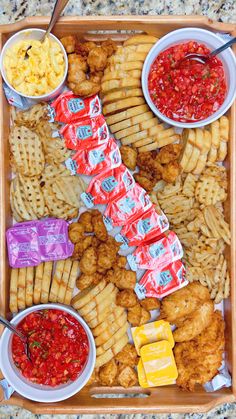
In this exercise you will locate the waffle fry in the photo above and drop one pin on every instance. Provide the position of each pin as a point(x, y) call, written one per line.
point(33, 195)
point(69, 189)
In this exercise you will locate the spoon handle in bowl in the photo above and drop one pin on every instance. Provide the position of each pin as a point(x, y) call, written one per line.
point(13, 329)
point(58, 9)
point(220, 49)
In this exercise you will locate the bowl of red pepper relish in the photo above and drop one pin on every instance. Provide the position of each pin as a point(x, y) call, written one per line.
point(62, 353)
point(189, 94)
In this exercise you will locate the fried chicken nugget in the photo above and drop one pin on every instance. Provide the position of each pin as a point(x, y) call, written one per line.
point(143, 181)
point(169, 153)
point(99, 228)
point(198, 360)
point(194, 323)
point(128, 356)
point(77, 68)
point(107, 253)
point(145, 316)
point(129, 156)
point(83, 48)
point(81, 246)
point(135, 314)
point(150, 303)
point(76, 232)
point(88, 262)
point(85, 280)
point(108, 373)
point(127, 376)
point(97, 59)
point(121, 261)
point(69, 43)
point(171, 171)
point(126, 298)
point(122, 278)
point(109, 46)
point(86, 220)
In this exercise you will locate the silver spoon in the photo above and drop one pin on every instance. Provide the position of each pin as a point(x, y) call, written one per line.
point(203, 58)
point(58, 9)
point(13, 329)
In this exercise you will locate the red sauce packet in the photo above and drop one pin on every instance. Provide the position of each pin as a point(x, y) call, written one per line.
point(94, 160)
point(127, 207)
point(86, 132)
point(70, 108)
point(159, 283)
point(149, 225)
point(107, 185)
point(158, 254)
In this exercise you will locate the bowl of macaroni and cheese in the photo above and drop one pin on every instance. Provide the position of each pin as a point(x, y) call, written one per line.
point(34, 69)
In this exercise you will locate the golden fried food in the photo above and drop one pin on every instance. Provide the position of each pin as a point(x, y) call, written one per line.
point(126, 298)
point(109, 46)
point(145, 182)
point(99, 228)
point(145, 316)
point(122, 278)
point(94, 378)
point(83, 48)
point(121, 261)
point(69, 43)
point(95, 242)
point(85, 280)
point(88, 262)
point(81, 246)
point(198, 360)
point(108, 373)
point(195, 323)
point(127, 376)
point(134, 315)
point(77, 68)
point(76, 232)
point(171, 171)
point(129, 156)
point(169, 153)
point(86, 220)
point(128, 356)
point(150, 303)
point(106, 253)
point(97, 59)
point(183, 302)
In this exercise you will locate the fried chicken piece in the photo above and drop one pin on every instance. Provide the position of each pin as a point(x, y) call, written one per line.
point(96, 77)
point(85, 280)
point(83, 48)
point(94, 378)
point(69, 43)
point(85, 88)
point(145, 316)
point(99, 228)
point(95, 242)
point(81, 246)
point(97, 59)
point(122, 278)
point(198, 360)
point(109, 46)
point(128, 356)
point(129, 156)
point(126, 298)
point(121, 261)
point(127, 376)
point(135, 314)
point(107, 253)
point(88, 262)
point(77, 68)
point(108, 373)
point(194, 323)
point(145, 182)
point(76, 232)
point(150, 303)
point(171, 171)
point(169, 153)
point(183, 302)
point(86, 220)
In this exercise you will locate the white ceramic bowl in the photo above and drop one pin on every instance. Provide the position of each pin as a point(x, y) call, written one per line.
point(37, 392)
point(210, 40)
point(37, 34)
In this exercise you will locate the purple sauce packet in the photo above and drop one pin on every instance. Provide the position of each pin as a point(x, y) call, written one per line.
point(30, 243)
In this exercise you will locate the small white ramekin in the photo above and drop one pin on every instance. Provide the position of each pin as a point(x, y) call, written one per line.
point(212, 41)
point(36, 392)
point(37, 34)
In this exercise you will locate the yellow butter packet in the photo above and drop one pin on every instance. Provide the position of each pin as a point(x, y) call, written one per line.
point(159, 364)
point(152, 332)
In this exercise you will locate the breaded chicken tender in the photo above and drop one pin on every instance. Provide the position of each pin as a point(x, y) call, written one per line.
point(150, 303)
point(169, 153)
point(128, 356)
point(122, 278)
point(99, 228)
point(171, 171)
point(126, 298)
point(76, 232)
point(127, 376)
point(85, 280)
point(129, 156)
point(108, 373)
point(198, 360)
point(135, 314)
point(106, 253)
point(88, 262)
point(86, 220)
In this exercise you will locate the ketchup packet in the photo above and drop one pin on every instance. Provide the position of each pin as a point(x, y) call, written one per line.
point(85, 133)
point(98, 158)
point(158, 254)
point(70, 108)
point(33, 242)
point(159, 283)
point(124, 209)
point(107, 185)
point(150, 224)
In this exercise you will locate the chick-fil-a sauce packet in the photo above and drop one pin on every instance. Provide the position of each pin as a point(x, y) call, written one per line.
point(70, 108)
point(94, 160)
point(108, 185)
point(86, 132)
point(157, 254)
point(162, 282)
point(33, 242)
point(149, 225)
point(127, 207)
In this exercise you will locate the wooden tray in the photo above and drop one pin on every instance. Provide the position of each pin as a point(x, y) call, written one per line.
point(98, 399)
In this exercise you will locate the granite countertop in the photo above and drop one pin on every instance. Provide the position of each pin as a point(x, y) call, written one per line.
point(223, 11)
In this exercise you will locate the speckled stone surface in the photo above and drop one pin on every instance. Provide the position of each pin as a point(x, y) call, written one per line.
point(224, 11)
